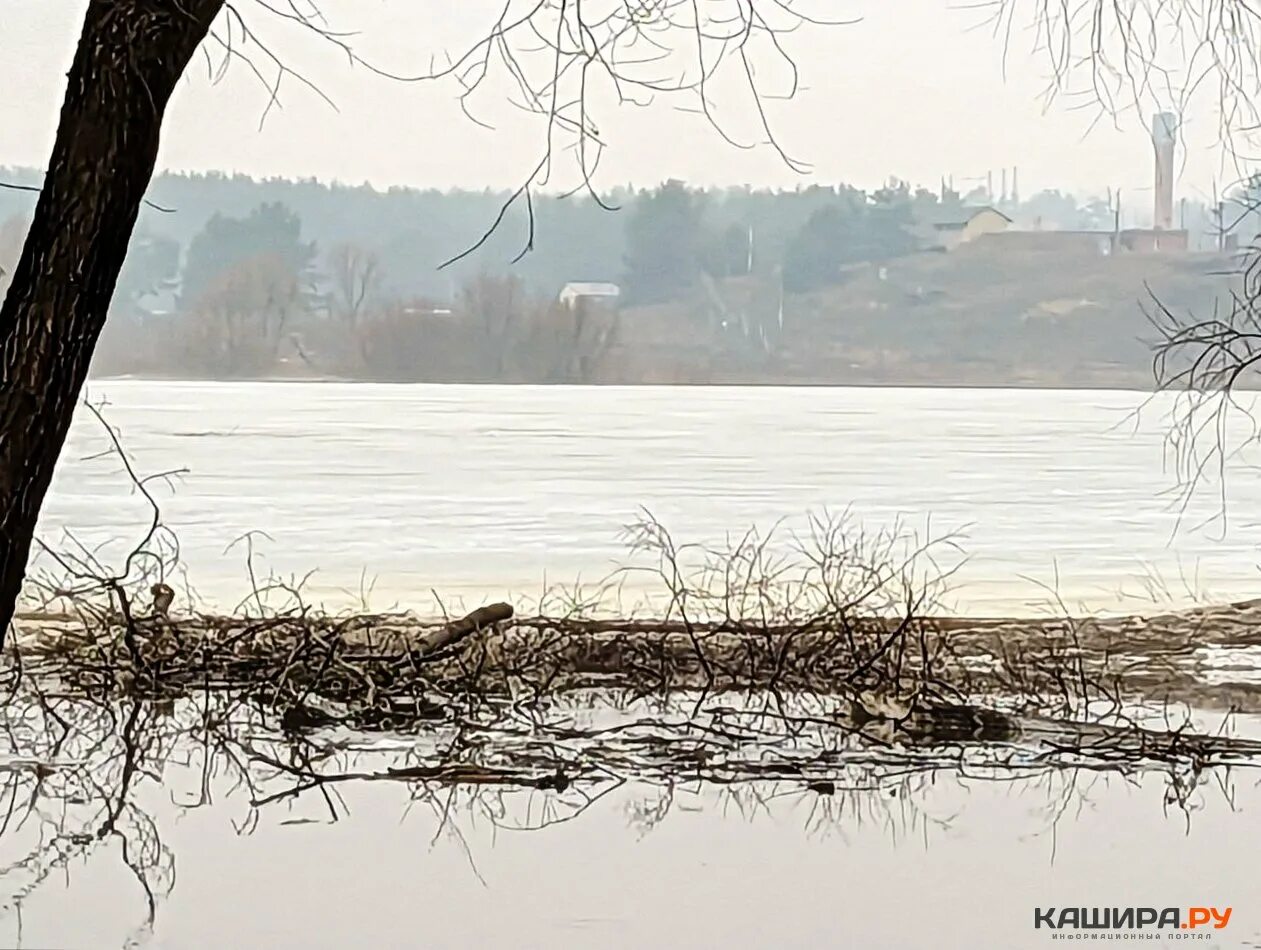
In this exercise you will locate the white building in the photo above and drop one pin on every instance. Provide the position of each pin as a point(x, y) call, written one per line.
point(574, 292)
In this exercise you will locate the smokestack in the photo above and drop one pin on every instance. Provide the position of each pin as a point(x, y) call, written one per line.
point(1015, 189)
point(989, 187)
point(1004, 198)
point(1164, 135)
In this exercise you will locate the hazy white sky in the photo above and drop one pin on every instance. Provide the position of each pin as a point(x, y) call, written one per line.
point(913, 90)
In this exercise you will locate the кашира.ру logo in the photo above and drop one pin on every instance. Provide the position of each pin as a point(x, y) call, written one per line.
point(1130, 918)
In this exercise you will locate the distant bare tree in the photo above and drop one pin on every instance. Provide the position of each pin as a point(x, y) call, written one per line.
point(235, 326)
point(356, 276)
point(356, 279)
point(496, 306)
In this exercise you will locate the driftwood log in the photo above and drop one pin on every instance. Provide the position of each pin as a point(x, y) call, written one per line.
point(483, 618)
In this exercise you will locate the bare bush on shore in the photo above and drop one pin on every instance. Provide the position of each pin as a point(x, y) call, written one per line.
point(841, 619)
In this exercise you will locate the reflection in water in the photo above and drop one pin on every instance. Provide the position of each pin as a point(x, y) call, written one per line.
point(93, 791)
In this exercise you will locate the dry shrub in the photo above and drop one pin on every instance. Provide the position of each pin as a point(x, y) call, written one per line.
point(235, 327)
point(412, 342)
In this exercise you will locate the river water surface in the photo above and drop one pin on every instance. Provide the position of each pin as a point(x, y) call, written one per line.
point(484, 491)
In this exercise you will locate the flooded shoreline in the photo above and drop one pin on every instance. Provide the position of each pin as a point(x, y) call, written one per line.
point(614, 782)
point(778, 737)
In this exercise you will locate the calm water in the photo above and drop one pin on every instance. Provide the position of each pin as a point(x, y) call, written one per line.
point(482, 492)
point(949, 863)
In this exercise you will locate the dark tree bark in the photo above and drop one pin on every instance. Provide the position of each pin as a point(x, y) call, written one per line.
point(130, 56)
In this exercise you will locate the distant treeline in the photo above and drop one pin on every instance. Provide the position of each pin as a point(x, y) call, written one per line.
point(649, 240)
point(226, 272)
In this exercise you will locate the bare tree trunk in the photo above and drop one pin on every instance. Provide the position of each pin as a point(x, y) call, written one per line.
point(130, 56)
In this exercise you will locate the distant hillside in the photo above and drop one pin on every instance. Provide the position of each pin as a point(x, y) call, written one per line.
point(988, 313)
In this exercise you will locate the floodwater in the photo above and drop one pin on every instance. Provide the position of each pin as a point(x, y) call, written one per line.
point(898, 856)
point(933, 859)
point(482, 491)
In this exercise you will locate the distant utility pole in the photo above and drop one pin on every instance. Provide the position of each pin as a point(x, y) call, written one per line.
point(1116, 219)
point(781, 300)
point(1219, 223)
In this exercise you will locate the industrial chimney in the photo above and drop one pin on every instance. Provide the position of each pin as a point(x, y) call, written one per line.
point(1164, 134)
